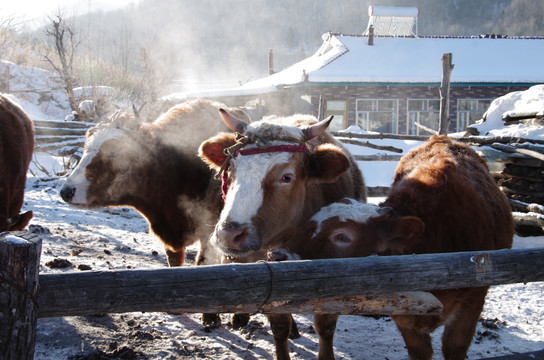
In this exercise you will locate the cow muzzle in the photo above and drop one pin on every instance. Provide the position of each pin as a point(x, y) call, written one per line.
point(235, 239)
point(67, 193)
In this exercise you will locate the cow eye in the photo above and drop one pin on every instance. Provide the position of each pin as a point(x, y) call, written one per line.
point(341, 238)
point(286, 178)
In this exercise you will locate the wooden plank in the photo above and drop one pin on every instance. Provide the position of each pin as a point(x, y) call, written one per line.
point(68, 294)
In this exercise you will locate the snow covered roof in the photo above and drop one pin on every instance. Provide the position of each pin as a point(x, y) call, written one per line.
point(349, 58)
point(344, 59)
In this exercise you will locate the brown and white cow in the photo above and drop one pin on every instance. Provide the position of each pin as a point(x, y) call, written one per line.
point(16, 147)
point(443, 199)
point(155, 169)
point(276, 174)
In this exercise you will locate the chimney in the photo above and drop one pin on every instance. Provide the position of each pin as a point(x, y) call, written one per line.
point(370, 35)
point(270, 62)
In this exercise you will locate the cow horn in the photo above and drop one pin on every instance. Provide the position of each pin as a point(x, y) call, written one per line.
point(316, 129)
point(233, 122)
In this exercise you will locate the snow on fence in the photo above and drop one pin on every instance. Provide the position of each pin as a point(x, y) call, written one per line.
point(296, 286)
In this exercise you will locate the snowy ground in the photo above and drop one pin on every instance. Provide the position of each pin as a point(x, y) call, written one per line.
point(512, 322)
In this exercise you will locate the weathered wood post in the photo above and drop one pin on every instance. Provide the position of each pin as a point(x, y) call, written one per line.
point(447, 68)
point(19, 266)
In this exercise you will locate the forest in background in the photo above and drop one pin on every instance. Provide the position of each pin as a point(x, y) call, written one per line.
point(143, 47)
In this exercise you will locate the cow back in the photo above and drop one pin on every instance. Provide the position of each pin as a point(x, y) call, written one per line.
point(449, 187)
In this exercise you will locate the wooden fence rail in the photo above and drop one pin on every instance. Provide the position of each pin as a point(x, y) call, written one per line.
point(344, 285)
point(229, 287)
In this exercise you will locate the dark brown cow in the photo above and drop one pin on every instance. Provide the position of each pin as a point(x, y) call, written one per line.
point(16, 147)
point(279, 173)
point(443, 199)
point(155, 169)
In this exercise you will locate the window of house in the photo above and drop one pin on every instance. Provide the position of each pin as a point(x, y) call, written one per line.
point(469, 111)
point(337, 108)
point(380, 115)
point(425, 112)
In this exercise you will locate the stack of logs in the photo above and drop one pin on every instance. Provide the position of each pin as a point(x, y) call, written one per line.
point(522, 175)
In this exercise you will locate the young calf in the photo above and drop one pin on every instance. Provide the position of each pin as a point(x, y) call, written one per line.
point(443, 199)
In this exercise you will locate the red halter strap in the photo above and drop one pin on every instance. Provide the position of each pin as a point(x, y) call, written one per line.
point(253, 151)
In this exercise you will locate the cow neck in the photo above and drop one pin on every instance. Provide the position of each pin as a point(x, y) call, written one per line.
point(262, 147)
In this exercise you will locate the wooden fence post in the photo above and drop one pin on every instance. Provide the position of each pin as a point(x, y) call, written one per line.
point(19, 266)
point(444, 121)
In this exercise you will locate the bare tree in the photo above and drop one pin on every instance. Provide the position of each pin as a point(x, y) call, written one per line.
point(65, 44)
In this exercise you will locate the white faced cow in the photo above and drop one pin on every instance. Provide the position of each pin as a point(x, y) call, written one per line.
point(276, 174)
point(155, 168)
point(443, 199)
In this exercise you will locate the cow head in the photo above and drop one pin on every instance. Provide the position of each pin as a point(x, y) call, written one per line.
point(268, 191)
point(354, 229)
point(107, 168)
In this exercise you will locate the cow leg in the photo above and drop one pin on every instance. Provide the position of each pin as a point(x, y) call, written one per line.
point(240, 320)
point(294, 330)
point(208, 255)
point(211, 321)
point(416, 332)
point(281, 328)
point(175, 257)
point(325, 326)
point(461, 323)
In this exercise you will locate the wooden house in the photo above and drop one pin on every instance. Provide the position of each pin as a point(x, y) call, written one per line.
point(386, 81)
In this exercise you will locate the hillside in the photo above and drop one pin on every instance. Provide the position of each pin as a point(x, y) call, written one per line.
point(214, 42)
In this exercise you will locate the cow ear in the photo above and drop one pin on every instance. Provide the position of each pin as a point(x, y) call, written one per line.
point(403, 233)
point(212, 150)
point(327, 162)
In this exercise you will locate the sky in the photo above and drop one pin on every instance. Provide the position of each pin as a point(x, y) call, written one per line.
point(34, 12)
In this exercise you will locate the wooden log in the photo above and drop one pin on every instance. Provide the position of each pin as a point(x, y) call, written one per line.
point(531, 355)
point(515, 116)
point(67, 294)
point(378, 191)
point(380, 136)
point(526, 207)
point(377, 157)
point(404, 303)
point(50, 131)
point(532, 219)
point(512, 149)
point(487, 140)
point(370, 145)
point(428, 129)
point(63, 124)
point(444, 120)
point(19, 264)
